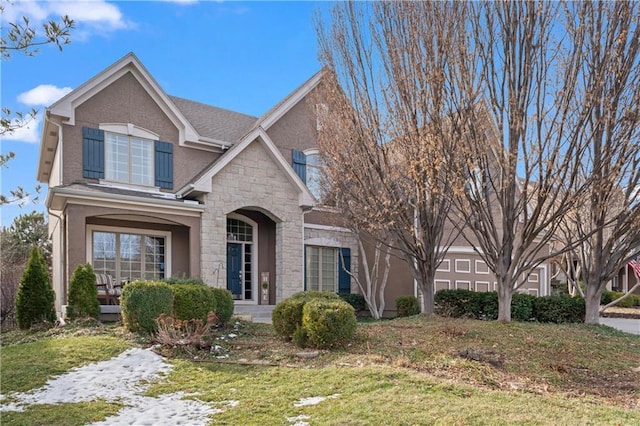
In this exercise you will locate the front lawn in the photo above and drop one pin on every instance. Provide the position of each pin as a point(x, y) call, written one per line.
point(407, 371)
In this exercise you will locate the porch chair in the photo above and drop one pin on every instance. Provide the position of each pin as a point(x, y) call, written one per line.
point(108, 290)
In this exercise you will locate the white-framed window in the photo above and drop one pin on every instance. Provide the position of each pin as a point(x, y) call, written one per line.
point(442, 285)
point(314, 173)
point(445, 266)
point(321, 269)
point(129, 159)
point(463, 265)
point(463, 285)
point(482, 285)
point(481, 267)
point(129, 254)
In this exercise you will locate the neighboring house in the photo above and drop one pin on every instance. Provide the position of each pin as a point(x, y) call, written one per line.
point(144, 185)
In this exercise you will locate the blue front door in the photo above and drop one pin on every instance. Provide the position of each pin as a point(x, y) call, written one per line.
point(234, 269)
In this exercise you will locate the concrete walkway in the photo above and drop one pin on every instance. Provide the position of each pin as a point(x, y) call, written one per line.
point(627, 325)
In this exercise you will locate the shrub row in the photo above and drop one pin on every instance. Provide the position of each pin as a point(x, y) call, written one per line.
point(144, 301)
point(609, 296)
point(319, 319)
point(524, 307)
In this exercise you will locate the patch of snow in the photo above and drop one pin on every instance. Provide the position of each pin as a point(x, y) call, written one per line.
point(123, 379)
point(299, 420)
point(314, 400)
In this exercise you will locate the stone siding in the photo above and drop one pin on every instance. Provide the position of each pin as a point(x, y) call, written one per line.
point(253, 181)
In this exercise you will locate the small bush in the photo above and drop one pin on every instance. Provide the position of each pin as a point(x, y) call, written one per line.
point(559, 309)
point(287, 316)
point(354, 299)
point(460, 303)
point(407, 306)
point(522, 306)
point(144, 301)
point(224, 304)
point(300, 337)
point(192, 301)
point(183, 280)
point(35, 299)
point(83, 294)
point(328, 323)
point(609, 296)
point(315, 294)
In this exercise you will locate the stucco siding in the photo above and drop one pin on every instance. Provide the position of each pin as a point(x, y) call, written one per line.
point(126, 101)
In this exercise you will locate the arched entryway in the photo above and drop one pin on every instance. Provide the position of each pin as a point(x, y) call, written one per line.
point(250, 240)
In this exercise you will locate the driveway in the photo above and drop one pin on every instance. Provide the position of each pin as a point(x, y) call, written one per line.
point(627, 325)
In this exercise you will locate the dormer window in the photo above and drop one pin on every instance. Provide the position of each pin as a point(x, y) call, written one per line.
point(129, 159)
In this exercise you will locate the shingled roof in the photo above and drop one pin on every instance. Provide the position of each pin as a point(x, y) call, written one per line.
point(213, 122)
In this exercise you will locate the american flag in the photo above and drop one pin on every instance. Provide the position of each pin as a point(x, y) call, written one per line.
point(635, 265)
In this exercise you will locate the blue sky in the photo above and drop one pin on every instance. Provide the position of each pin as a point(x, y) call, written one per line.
point(243, 56)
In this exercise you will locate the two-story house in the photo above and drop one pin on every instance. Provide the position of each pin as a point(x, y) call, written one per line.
point(144, 185)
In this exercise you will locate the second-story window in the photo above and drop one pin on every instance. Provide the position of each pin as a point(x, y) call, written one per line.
point(129, 159)
point(314, 175)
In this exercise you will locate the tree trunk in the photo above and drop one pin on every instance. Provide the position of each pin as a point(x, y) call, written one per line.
point(592, 303)
point(425, 284)
point(504, 302)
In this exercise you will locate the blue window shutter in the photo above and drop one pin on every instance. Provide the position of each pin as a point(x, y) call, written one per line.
point(164, 164)
point(92, 153)
point(304, 271)
point(299, 163)
point(344, 279)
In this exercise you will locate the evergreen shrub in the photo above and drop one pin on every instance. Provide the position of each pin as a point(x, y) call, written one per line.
point(407, 306)
point(354, 299)
point(328, 323)
point(287, 315)
point(83, 294)
point(224, 304)
point(193, 301)
point(35, 299)
point(144, 301)
point(559, 309)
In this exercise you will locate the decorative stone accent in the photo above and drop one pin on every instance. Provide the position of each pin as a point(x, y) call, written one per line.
point(253, 181)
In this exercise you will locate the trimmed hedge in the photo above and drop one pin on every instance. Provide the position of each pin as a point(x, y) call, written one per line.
point(223, 297)
point(559, 309)
point(224, 303)
point(609, 296)
point(83, 294)
point(407, 306)
point(193, 301)
point(328, 323)
point(144, 301)
point(354, 299)
point(524, 307)
point(287, 317)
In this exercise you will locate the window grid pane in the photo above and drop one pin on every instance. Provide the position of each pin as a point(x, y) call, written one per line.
point(129, 159)
point(128, 257)
point(321, 268)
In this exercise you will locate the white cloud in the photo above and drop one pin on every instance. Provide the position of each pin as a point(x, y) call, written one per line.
point(29, 133)
point(90, 16)
point(44, 94)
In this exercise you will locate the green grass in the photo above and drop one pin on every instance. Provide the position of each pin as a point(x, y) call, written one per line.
point(407, 371)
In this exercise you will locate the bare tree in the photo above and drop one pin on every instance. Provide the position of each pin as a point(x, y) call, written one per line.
point(608, 222)
point(388, 130)
point(520, 161)
point(22, 37)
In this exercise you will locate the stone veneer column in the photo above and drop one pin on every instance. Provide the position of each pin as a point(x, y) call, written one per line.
point(253, 181)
